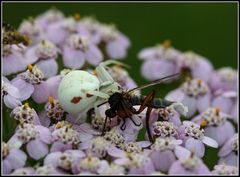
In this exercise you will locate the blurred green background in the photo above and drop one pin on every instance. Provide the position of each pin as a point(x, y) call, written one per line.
point(210, 29)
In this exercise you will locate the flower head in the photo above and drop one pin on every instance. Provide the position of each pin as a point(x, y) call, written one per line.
point(53, 109)
point(25, 114)
point(163, 129)
point(160, 61)
point(33, 75)
point(225, 170)
point(216, 123)
point(12, 158)
point(66, 135)
point(224, 79)
point(189, 165)
point(229, 152)
point(194, 94)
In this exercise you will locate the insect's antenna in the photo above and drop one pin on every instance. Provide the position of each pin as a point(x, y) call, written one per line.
point(102, 103)
point(108, 62)
point(158, 81)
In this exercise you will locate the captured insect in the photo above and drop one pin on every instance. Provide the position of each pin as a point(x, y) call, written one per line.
point(121, 104)
point(12, 36)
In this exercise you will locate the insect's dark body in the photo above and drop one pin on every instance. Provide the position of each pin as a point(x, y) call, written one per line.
point(121, 104)
point(155, 103)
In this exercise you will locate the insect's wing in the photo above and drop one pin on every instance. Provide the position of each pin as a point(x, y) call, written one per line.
point(158, 81)
point(147, 100)
point(124, 109)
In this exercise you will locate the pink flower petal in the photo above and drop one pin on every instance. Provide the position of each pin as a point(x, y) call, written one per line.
point(17, 158)
point(52, 84)
point(115, 152)
point(45, 121)
point(216, 132)
point(37, 149)
point(41, 93)
point(24, 88)
point(48, 67)
point(52, 159)
point(191, 104)
point(30, 55)
point(6, 166)
point(94, 55)
point(181, 152)
point(196, 146)
point(162, 160)
point(175, 95)
point(44, 134)
point(116, 50)
point(231, 159)
point(74, 59)
point(203, 103)
point(11, 102)
point(13, 63)
point(13, 91)
point(147, 53)
point(59, 146)
point(156, 69)
point(224, 103)
point(202, 70)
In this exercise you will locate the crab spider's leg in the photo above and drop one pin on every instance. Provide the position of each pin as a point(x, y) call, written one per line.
point(106, 83)
point(95, 105)
point(80, 115)
point(98, 94)
point(102, 72)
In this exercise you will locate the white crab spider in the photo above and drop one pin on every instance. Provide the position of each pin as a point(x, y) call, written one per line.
point(79, 90)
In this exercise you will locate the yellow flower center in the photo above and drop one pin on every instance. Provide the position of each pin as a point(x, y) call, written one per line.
point(50, 99)
point(77, 16)
point(30, 67)
point(166, 44)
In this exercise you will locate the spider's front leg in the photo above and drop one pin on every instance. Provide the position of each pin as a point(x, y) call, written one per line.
point(108, 85)
point(102, 72)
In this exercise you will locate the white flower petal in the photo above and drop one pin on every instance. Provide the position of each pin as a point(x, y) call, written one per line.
point(180, 108)
point(210, 142)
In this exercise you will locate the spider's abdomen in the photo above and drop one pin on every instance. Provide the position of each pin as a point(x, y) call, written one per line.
point(72, 93)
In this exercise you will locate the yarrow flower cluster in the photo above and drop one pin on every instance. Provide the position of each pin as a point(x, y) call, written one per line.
point(85, 115)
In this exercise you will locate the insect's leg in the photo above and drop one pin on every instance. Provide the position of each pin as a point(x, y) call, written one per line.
point(123, 126)
point(146, 102)
point(149, 109)
point(104, 126)
point(95, 106)
point(138, 125)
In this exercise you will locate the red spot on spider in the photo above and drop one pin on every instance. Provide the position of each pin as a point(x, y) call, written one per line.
point(89, 95)
point(76, 100)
